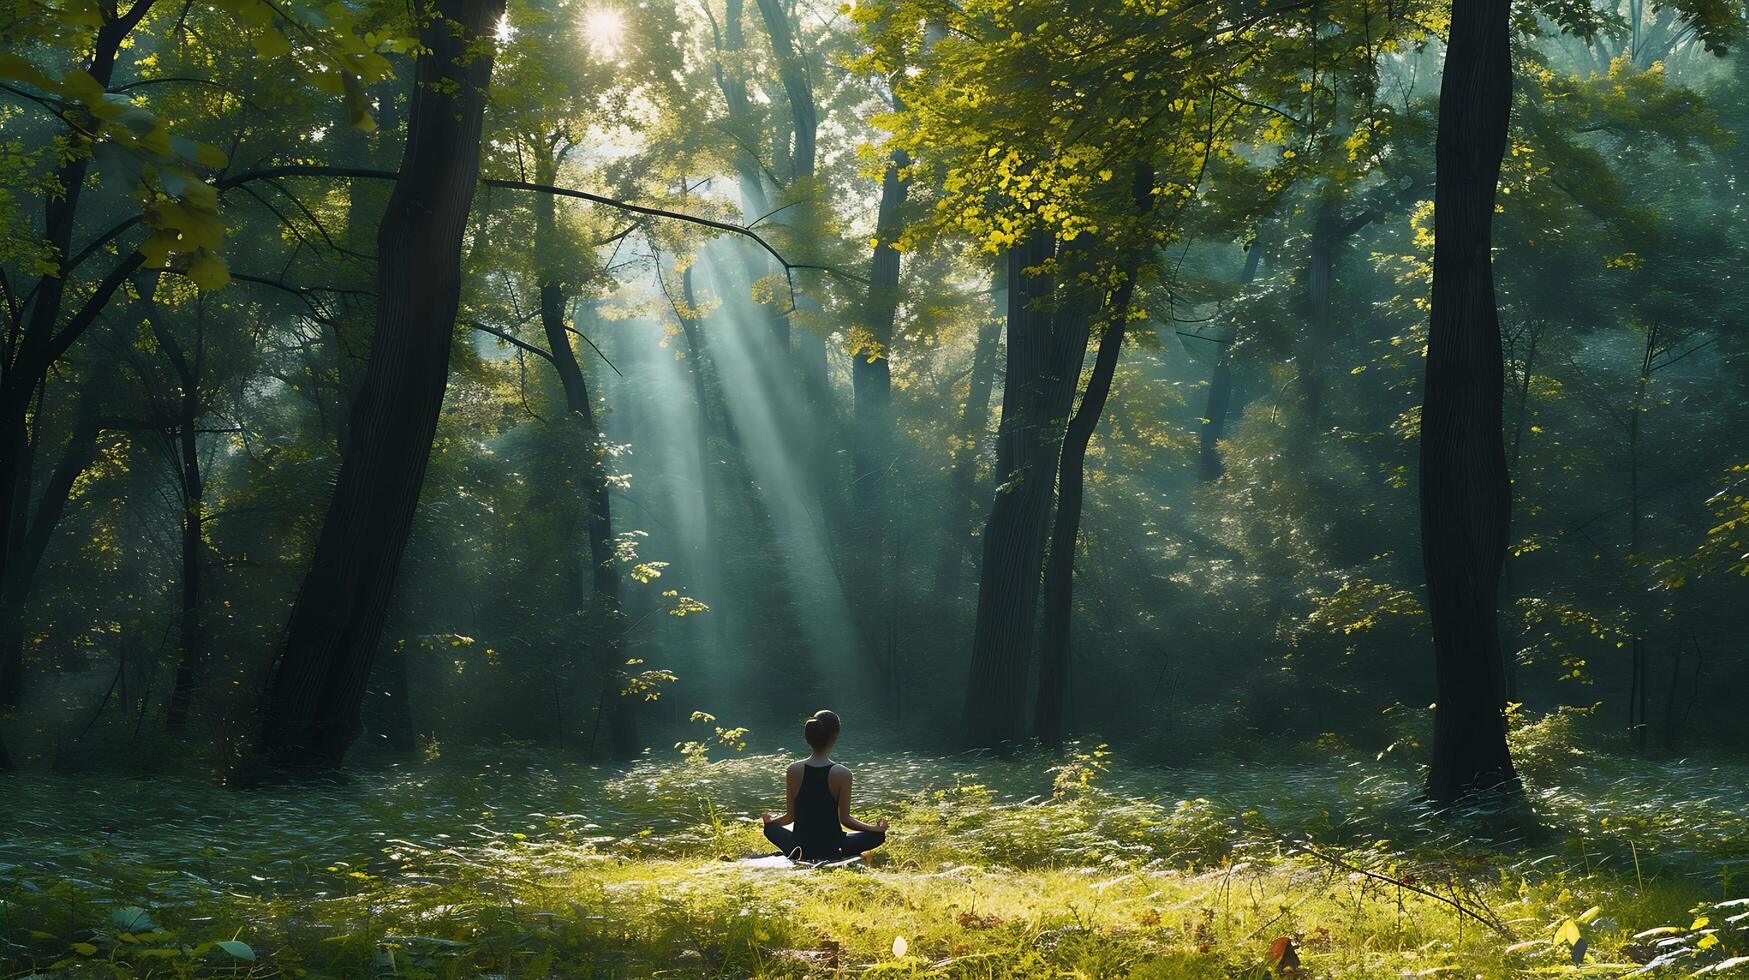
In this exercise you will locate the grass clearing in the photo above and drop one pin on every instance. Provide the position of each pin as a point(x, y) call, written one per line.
point(1032, 866)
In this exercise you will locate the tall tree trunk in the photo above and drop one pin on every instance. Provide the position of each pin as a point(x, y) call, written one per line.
point(792, 70)
point(312, 709)
point(1013, 534)
point(1045, 351)
point(798, 170)
point(32, 544)
point(39, 340)
point(193, 633)
point(192, 628)
point(742, 124)
point(872, 446)
point(1637, 719)
point(870, 373)
point(708, 422)
point(15, 583)
point(1059, 587)
point(974, 419)
point(1465, 497)
point(598, 596)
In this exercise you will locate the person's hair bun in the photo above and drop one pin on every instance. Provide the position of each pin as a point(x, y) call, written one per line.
point(821, 728)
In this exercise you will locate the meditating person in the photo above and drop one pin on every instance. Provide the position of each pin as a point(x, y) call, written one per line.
point(819, 804)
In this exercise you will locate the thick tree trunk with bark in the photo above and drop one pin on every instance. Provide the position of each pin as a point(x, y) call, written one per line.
point(1014, 533)
point(1059, 586)
point(312, 710)
point(1045, 349)
point(1465, 499)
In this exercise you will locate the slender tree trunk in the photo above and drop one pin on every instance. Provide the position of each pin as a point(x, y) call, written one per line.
point(598, 582)
point(974, 419)
point(743, 126)
point(1637, 720)
point(697, 357)
point(871, 374)
point(792, 71)
point(873, 445)
point(193, 630)
point(798, 167)
point(193, 634)
point(32, 544)
point(40, 340)
point(15, 582)
point(1059, 586)
point(190, 410)
point(1465, 497)
point(312, 709)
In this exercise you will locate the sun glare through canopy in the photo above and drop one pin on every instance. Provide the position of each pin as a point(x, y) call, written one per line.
point(604, 31)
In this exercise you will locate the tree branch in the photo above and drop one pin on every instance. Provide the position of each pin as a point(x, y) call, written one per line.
point(312, 170)
point(512, 341)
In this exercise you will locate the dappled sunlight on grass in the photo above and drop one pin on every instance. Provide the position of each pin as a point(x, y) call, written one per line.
point(1023, 866)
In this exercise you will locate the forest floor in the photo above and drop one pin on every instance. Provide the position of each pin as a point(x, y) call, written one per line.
point(1031, 866)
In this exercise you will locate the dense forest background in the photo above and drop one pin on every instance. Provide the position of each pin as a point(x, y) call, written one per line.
point(1265, 484)
point(682, 467)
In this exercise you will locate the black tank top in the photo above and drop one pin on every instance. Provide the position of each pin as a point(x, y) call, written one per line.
point(817, 829)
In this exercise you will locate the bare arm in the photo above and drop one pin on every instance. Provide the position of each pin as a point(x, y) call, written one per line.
point(792, 782)
point(844, 817)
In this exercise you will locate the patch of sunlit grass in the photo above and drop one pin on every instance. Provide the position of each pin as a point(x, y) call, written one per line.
point(450, 870)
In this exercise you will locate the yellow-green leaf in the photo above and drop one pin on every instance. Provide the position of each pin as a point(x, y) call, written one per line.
point(208, 271)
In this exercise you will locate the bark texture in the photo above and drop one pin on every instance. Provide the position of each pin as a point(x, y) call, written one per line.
point(312, 710)
point(1465, 499)
point(1047, 341)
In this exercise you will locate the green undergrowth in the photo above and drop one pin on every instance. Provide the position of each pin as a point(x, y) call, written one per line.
point(1034, 866)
